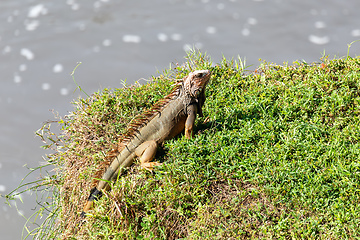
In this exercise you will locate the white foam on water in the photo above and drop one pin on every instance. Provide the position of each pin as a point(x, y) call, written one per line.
point(187, 47)
point(220, 6)
point(131, 38)
point(6, 49)
point(96, 49)
point(245, 32)
point(107, 42)
point(162, 37)
point(58, 68)
point(22, 67)
point(320, 24)
point(199, 45)
point(10, 19)
point(314, 12)
point(36, 10)
point(252, 21)
point(31, 25)
point(176, 36)
point(355, 33)
point(97, 4)
point(82, 26)
point(27, 53)
point(45, 86)
point(319, 40)
point(17, 78)
point(64, 91)
point(75, 7)
point(211, 30)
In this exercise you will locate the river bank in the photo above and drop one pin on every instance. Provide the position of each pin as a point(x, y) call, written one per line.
point(278, 156)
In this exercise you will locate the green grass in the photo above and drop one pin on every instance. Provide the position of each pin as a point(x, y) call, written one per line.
point(277, 155)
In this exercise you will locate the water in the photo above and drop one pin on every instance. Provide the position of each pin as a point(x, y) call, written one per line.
point(42, 41)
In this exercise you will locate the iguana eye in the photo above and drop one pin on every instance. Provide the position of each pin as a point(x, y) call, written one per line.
point(199, 75)
point(197, 92)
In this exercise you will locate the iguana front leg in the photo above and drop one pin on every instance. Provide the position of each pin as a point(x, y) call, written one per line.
point(146, 152)
point(190, 121)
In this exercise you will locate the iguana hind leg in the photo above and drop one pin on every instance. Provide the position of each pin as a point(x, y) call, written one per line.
point(146, 152)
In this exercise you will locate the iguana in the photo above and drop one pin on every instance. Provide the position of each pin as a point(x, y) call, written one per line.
point(166, 119)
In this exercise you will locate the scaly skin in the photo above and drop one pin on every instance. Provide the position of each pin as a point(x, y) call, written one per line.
point(176, 114)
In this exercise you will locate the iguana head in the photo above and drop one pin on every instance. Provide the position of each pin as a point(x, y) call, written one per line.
point(196, 81)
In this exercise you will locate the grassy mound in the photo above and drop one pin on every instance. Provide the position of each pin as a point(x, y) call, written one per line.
point(277, 155)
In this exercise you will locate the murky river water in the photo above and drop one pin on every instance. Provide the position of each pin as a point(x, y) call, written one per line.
point(41, 42)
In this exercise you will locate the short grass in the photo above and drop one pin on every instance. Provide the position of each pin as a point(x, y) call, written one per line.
point(277, 155)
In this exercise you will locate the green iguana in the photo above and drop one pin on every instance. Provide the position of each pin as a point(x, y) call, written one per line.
point(163, 121)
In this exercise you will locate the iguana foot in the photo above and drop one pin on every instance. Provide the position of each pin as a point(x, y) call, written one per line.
point(150, 165)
